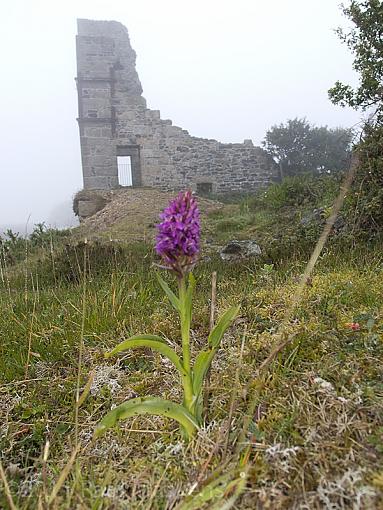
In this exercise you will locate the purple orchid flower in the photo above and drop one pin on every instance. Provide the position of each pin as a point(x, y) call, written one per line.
point(178, 238)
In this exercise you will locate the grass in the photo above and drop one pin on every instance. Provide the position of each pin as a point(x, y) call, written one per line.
point(315, 438)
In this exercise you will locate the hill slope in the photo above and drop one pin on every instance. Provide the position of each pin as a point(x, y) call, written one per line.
point(131, 214)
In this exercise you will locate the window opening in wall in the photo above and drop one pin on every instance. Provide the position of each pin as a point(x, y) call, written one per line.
point(124, 165)
point(204, 188)
point(92, 114)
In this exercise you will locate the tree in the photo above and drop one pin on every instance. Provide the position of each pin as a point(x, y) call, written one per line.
point(365, 41)
point(331, 149)
point(299, 147)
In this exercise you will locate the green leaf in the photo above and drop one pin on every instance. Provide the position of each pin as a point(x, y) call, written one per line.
point(153, 342)
point(204, 358)
point(370, 324)
point(171, 296)
point(148, 405)
point(190, 292)
point(214, 490)
point(186, 306)
point(220, 493)
point(201, 366)
point(222, 325)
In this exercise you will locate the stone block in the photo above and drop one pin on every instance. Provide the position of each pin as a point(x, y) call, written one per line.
point(87, 208)
point(100, 182)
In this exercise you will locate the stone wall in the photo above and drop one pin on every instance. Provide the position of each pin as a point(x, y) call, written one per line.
point(114, 120)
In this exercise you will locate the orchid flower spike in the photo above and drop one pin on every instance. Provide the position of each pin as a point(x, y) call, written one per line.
point(178, 237)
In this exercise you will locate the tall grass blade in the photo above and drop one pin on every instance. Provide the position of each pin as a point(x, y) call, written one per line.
point(86, 390)
point(7, 490)
point(63, 475)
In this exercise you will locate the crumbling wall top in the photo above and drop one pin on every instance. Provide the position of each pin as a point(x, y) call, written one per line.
point(104, 52)
point(96, 28)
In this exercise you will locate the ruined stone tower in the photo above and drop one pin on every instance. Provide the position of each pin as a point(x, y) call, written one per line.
point(120, 135)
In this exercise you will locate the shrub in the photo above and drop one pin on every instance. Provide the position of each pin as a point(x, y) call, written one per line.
point(14, 248)
point(365, 204)
point(231, 224)
point(297, 191)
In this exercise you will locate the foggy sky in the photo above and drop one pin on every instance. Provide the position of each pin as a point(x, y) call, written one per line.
point(221, 69)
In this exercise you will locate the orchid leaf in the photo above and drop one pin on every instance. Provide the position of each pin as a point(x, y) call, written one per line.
point(204, 358)
point(201, 366)
point(170, 294)
point(214, 492)
point(152, 342)
point(186, 306)
point(222, 325)
point(189, 296)
point(148, 405)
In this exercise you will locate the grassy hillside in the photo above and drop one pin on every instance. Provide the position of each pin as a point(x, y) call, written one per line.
point(314, 436)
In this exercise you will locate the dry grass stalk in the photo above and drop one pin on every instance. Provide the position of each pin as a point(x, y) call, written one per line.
point(30, 339)
point(157, 486)
point(44, 469)
point(86, 390)
point(63, 475)
point(81, 349)
point(234, 394)
point(7, 490)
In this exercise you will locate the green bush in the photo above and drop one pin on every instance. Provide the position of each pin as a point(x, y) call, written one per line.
point(67, 265)
point(14, 248)
point(365, 204)
point(231, 224)
point(297, 191)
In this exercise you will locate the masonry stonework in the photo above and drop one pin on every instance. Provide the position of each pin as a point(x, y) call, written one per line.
point(114, 121)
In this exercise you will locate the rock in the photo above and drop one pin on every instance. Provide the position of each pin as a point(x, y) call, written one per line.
point(238, 250)
point(88, 202)
point(317, 216)
point(340, 224)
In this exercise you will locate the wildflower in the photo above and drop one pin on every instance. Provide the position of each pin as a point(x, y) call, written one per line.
point(178, 238)
point(178, 244)
point(355, 326)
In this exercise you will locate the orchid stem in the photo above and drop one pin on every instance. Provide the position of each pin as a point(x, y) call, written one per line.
point(185, 317)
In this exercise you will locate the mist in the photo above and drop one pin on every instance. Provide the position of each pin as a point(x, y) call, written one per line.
point(220, 69)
